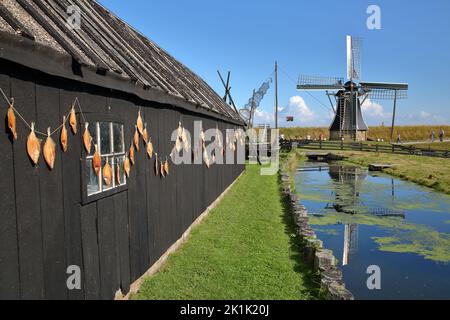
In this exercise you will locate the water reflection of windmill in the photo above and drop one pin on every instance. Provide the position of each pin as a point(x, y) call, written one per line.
point(348, 181)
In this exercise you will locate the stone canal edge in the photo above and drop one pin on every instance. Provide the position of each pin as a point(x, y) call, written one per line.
point(315, 255)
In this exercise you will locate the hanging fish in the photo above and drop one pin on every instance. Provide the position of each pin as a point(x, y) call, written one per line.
point(166, 167)
point(73, 120)
point(156, 165)
point(180, 130)
point(87, 138)
point(132, 158)
point(136, 139)
point(12, 122)
point(145, 134)
point(49, 151)
point(118, 182)
point(161, 167)
point(150, 149)
point(63, 137)
point(96, 162)
point(205, 157)
point(184, 136)
point(186, 146)
point(140, 124)
point(178, 145)
point(33, 146)
point(202, 136)
point(107, 173)
point(127, 166)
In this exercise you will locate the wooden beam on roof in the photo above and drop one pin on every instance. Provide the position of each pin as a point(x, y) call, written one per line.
point(14, 23)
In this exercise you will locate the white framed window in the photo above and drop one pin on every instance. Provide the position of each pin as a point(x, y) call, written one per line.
point(109, 138)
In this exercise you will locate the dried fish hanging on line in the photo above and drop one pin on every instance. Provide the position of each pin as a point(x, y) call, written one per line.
point(150, 148)
point(64, 137)
point(87, 138)
point(107, 173)
point(166, 167)
point(132, 155)
point(73, 120)
point(161, 167)
point(145, 134)
point(185, 141)
point(50, 151)
point(156, 165)
point(136, 139)
point(206, 157)
point(96, 162)
point(12, 122)
point(33, 146)
point(127, 166)
point(118, 181)
point(178, 141)
point(140, 124)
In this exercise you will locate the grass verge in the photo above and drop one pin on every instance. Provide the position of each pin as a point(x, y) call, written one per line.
point(246, 249)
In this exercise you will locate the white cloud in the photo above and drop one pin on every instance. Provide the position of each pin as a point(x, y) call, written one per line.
point(298, 109)
point(264, 117)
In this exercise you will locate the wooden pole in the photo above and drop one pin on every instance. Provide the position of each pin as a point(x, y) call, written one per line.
point(393, 115)
point(276, 95)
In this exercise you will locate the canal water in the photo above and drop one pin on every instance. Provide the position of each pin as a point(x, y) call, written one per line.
point(372, 219)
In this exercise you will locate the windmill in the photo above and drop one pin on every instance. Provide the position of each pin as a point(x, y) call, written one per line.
point(348, 123)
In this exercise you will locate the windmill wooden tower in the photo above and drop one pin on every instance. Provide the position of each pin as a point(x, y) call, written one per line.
point(350, 95)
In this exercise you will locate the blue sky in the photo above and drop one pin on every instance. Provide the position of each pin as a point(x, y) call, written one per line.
point(306, 37)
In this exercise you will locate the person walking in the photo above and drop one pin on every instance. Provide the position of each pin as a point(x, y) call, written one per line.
point(441, 135)
point(399, 139)
point(433, 136)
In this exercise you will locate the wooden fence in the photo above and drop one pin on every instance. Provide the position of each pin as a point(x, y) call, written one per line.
point(363, 146)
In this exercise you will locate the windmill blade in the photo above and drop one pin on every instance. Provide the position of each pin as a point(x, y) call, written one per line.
point(385, 91)
point(354, 48)
point(311, 83)
point(384, 85)
point(387, 94)
point(349, 58)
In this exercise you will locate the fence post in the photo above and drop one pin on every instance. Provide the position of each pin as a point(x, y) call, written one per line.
point(361, 146)
point(376, 148)
point(393, 148)
point(320, 144)
point(342, 144)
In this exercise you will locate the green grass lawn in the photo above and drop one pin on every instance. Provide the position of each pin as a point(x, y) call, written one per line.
point(245, 249)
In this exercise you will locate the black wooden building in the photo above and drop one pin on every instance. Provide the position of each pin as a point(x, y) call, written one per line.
point(51, 219)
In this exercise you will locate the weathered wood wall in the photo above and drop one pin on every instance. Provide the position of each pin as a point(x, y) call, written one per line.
point(44, 226)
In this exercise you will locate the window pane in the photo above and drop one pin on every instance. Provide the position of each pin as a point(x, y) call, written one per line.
point(105, 137)
point(92, 180)
point(93, 132)
point(118, 138)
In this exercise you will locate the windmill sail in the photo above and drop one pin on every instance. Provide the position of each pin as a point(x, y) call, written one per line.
point(354, 47)
point(319, 83)
point(385, 91)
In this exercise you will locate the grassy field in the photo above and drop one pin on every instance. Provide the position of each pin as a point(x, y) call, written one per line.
point(408, 133)
point(246, 249)
point(429, 172)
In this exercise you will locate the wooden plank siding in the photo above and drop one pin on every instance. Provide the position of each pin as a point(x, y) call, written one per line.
point(44, 224)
